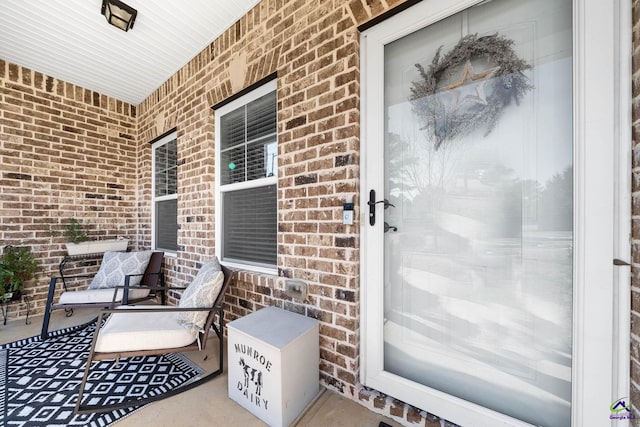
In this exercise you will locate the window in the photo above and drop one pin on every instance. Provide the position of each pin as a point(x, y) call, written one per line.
point(246, 173)
point(165, 194)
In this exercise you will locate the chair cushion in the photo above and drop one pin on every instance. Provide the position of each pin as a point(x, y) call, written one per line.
point(116, 265)
point(100, 295)
point(142, 331)
point(201, 293)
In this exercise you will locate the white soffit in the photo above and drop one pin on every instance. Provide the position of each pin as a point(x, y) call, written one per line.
point(71, 41)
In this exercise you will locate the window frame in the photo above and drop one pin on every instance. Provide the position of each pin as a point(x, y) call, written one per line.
point(220, 189)
point(173, 135)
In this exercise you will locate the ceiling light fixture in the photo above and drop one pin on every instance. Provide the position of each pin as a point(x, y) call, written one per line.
point(119, 14)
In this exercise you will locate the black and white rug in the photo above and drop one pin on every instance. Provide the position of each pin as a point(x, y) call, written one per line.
point(43, 377)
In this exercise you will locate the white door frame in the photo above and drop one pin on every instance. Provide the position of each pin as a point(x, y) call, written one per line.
point(622, 195)
point(600, 142)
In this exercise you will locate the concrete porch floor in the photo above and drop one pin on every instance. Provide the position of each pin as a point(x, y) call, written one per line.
point(208, 404)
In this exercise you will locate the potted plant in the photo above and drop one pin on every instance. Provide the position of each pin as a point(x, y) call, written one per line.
point(17, 266)
point(75, 231)
point(6, 276)
point(79, 242)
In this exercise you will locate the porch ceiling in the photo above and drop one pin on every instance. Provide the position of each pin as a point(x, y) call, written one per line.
point(70, 40)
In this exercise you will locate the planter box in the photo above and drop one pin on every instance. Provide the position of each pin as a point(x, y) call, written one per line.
point(273, 368)
point(97, 246)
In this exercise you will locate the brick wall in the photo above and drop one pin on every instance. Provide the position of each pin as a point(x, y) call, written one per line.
point(64, 152)
point(314, 49)
point(635, 218)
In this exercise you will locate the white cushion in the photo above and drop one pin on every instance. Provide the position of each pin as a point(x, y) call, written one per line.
point(142, 331)
point(116, 265)
point(100, 295)
point(201, 293)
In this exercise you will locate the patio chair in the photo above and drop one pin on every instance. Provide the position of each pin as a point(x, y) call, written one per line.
point(123, 278)
point(150, 330)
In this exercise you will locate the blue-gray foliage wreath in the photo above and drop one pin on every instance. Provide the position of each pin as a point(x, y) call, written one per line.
point(507, 84)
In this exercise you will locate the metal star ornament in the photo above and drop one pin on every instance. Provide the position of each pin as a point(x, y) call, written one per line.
point(464, 92)
point(449, 111)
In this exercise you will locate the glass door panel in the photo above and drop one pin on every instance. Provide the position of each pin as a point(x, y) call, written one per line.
point(478, 287)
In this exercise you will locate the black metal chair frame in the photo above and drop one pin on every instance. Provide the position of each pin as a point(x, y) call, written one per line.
point(150, 279)
point(217, 310)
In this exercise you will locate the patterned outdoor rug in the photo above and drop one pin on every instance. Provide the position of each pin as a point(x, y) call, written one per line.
point(4, 354)
point(42, 380)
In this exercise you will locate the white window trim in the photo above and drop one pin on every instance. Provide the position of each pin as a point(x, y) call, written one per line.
point(594, 369)
point(268, 87)
point(154, 199)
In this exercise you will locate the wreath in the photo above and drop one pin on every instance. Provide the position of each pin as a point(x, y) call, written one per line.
point(446, 110)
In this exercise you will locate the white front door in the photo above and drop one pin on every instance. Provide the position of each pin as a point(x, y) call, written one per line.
point(488, 226)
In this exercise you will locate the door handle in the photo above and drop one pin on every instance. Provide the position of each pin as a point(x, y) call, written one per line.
point(617, 261)
point(372, 207)
point(388, 227)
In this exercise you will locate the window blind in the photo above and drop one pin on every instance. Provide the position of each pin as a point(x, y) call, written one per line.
point(166, 169)
point(248, 141)
point(250, 225)
point(167, 225)
point(261, 117)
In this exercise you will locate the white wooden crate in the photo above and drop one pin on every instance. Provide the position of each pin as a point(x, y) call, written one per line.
point(273, 364)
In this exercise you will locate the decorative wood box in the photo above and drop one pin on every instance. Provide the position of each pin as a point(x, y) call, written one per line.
point(273, 358)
